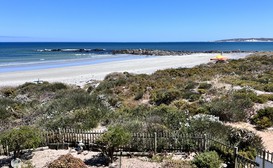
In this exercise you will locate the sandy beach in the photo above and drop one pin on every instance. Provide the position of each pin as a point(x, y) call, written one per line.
point(80, 75)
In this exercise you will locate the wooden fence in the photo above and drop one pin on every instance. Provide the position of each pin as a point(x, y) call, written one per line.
point(266, 158)
point(3, 149)
point(166, 142)
point(140, 142)
point(156, 142)
point(70, 137)
point(231, 154)
point(266, 155)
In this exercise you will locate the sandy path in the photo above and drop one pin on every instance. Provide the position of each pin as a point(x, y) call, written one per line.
point(79, 75)
point(42, 158)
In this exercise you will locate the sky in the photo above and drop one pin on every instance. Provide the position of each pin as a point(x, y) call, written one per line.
point(134, 20)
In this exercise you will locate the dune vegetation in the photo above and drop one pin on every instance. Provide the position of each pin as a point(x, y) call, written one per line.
point(198, 99)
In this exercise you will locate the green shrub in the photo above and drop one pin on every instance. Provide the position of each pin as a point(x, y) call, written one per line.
point(269, 87)
point(164, 96)
point(191, 96)
point(68, 100)
point(202, 91)
point(166, 116)
point(207, 160)
point(115, 137)
point(113, 100)
point(21, 138)
point(9, 108)
point(191, 85)
point(267, 97)
point(204, 86)
point(53, 87)
point(111, 81)
point(231, 107)
point(226, 154)
point(138, 95)
point(7, 91)
point(249, 153)
point(244, 139)
point(177, 164)
point(83, 118)
point(264, 122)
point(264, 118)
point(73, 108)
point(263, 98)
point(33, 88)
point(245, 94)
point(207, 124)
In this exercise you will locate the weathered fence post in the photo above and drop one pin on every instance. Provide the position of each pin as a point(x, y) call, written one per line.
point(120, 159)
point(205, 142)
point(263, 159)
point(7, 149)
point(155, 142)
point(235, 153)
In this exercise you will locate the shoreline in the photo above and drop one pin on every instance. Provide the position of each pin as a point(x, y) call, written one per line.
point(49, 64)
point(81, 75)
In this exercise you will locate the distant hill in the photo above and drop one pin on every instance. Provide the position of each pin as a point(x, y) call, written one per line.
point(247, 40)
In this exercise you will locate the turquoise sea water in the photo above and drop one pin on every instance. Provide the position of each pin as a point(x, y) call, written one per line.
point(27, 56)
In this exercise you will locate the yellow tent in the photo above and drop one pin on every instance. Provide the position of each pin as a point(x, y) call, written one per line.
point(219, 58)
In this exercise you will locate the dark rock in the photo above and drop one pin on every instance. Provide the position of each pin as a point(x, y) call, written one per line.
point(166, 52)
point(98, 49)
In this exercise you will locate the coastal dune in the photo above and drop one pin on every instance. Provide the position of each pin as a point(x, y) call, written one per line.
point(80, 75)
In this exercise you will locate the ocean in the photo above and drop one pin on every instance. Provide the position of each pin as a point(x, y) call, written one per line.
point(35, 55)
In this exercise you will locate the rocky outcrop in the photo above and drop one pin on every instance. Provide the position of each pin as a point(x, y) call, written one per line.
point(136, 51)
point(247, 40)
point(149, 52)
point(165, 52)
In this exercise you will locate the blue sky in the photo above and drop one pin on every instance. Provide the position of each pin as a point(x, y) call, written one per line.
point(134, 20)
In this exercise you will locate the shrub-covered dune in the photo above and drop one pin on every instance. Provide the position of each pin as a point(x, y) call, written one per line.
point(171, 99)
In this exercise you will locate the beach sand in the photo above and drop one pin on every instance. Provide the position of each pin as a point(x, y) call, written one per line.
point(80, 75)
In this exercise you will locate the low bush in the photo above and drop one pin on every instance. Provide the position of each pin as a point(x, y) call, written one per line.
point(231, 107)
point(207, 124)
point(21, 138)
point(269, 87)
point(73, 108)
point(10, 109)
point(207, 160)
point(7, 91)
point(176, 164)
point(164, 96)
point(115, 137)
point(33, 88)
point(226, 154)
point(264, 118)
point(111, 81)
point(138, 95)
point(166, 116)
point(245, 140)
point(268, 97)
point(191, 85)
point(204, 86)
point(191, 95)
